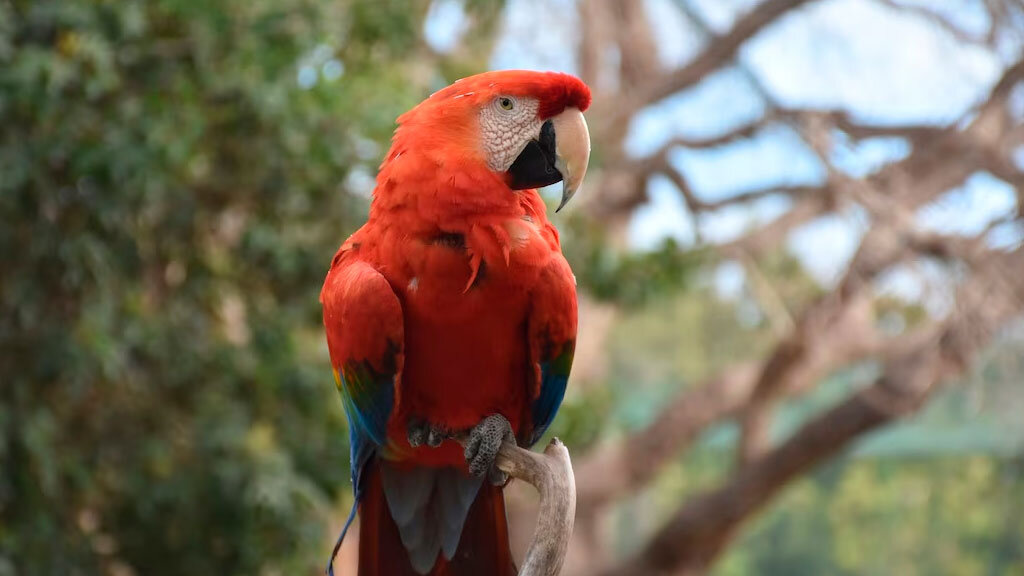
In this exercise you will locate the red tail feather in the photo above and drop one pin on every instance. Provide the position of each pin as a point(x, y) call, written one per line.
point(483, 547)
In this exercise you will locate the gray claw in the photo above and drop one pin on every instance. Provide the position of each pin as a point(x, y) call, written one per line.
point(416, 433)
point(420, 432)
point(485, 439)
point(435, 437)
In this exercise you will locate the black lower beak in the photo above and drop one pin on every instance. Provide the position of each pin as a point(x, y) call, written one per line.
point(535, 165)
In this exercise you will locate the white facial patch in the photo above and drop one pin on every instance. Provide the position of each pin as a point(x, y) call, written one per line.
point(507, 123)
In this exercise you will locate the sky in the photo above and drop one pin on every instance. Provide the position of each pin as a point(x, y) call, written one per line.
point(881, 65)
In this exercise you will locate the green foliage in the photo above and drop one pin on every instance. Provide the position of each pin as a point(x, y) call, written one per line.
point(626, 278)
point(957, 516)
point(582, 419)
point(937, 494)
point(174, 178)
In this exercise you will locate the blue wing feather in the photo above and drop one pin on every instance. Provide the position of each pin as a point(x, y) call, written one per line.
point(554, 376)
point(368, 399)
point(363, 321)
point(551, 336)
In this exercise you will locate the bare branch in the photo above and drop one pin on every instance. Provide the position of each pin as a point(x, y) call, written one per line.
point(755, 432)
point(616, 468)
point(915, 364)
point(939, 20)
point(696, 534)
point(596, 30)
point(551, 474)
point(638, 54)
point(837, 119)
point(741, 132)
point(673, 432)
point(831, 332)
point(794, 192)
point(660, 165)
point(627, 197)
point(767, 237)
point(841, 120)
point(720, 50)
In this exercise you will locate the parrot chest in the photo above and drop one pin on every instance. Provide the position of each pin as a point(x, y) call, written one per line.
point(466, 348)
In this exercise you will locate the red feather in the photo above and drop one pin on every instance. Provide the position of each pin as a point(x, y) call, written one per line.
point(481, 281)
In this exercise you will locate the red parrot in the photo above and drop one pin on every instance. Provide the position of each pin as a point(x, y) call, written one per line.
point(452, 312)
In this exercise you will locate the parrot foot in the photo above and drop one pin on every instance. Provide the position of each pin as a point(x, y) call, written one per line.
point(485, 439)
point(420, 432)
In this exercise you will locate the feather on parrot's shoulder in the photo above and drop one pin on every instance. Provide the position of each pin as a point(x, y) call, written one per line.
point(362, 314)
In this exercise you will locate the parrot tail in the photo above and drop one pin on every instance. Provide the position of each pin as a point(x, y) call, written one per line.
point(482, 547)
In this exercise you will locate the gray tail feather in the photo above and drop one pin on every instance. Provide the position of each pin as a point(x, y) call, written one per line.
point(429, 506)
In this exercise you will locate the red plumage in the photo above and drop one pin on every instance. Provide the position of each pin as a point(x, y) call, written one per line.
point(457, 289)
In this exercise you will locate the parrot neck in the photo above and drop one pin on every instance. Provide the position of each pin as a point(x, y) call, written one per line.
point(475, 208)
point(442, 188)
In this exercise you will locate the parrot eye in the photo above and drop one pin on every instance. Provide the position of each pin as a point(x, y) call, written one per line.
point(506, 103)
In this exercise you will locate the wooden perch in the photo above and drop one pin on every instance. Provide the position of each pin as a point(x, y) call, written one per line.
point(551, 474)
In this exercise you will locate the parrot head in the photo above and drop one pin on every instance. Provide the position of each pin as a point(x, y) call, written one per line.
point(527, 127)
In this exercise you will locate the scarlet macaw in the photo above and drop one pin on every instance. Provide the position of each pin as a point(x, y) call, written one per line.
point(452, 311)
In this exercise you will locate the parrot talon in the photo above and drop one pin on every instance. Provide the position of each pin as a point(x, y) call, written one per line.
point(435, 437)
point(421, 433)
point(485, 439)
point(416, 433)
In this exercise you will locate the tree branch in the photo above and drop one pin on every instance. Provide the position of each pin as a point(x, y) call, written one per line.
point(939, 20)
point(719, 50)
point(660, 165)
point(915, 364)
point(767, 237)
point(551, 474)
point(829, 333)
point(616, 468)
point(697, 533)
point(842, 121)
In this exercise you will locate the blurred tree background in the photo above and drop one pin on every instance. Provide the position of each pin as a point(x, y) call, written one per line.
point(174, 178)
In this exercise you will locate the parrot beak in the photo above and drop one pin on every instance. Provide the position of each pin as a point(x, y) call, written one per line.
point(561, 152)
point(572, 151)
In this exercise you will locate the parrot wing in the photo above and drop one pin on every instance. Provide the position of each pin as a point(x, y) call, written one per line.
point(365, 337)
point(552, 342)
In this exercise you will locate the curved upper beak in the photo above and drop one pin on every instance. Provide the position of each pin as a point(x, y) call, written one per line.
point(572, 151)
point(561, 152)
